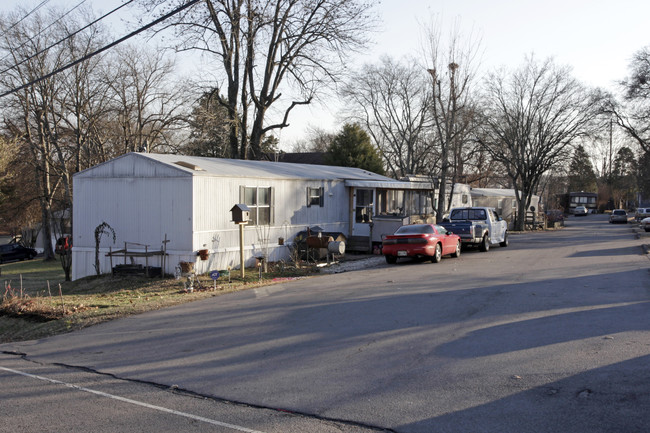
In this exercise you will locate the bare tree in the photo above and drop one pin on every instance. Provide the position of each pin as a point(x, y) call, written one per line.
point(633, 113)
point(317, 140)
point(60, 121)
point(392, 101)
point(146, 104)
point(266, 47)
point(31, 115)
point(85, 105)
point(534, 115)
point(452, 66)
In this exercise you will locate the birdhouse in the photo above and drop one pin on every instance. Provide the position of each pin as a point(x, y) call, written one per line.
point(240, 214)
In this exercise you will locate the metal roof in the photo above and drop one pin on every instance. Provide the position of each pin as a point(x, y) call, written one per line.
point(494, 192)
point(204, 166)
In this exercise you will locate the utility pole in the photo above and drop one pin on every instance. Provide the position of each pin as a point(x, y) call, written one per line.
point(610, 146)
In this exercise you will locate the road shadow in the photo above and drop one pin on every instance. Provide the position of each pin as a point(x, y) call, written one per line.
point(386, 339)
point(609, 399)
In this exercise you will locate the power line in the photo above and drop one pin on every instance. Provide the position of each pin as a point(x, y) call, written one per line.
point(67, 37)
point(41, 4)
point(104, 48)
point(42, 31)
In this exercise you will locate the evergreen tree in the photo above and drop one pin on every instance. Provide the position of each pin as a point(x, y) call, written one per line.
point(643, 176)
point(352, 148)
point(624, 177)
point(582, 176)
point(209, 129)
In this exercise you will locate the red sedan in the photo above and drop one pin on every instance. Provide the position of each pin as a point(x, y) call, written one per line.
point(421, 240)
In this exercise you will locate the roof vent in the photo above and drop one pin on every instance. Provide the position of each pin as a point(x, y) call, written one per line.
point(189, 165)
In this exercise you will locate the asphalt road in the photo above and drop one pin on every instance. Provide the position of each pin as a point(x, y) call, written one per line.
point(549, 334)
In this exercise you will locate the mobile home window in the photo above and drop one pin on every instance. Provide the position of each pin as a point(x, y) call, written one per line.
point(315, 197)
point(260, 202)
point(390, 202)
point(364, 206)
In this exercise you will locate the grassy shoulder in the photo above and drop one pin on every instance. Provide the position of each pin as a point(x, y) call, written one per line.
point(38, 303)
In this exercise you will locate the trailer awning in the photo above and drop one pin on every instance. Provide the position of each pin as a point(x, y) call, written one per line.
point(425, 186)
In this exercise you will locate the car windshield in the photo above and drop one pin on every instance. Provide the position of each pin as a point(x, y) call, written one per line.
point(468, 214)
point(619, 212)
point(415, 229)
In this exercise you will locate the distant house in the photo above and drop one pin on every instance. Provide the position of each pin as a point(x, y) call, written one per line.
point(147, 198)
point(577, 198)
point(503, 200)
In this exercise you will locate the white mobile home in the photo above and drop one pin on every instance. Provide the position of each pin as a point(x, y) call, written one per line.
point(148, 198)
point(503, 200)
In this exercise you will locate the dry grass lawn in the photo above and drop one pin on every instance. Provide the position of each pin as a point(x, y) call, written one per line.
point(36, 302)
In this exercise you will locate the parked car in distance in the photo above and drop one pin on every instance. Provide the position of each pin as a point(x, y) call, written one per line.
point(63, 245)
point(645, 224)
point(581, 211)
point(641, 213)
point(15, 251)
point(618, 216)
point(420, 240)
point(479, 226)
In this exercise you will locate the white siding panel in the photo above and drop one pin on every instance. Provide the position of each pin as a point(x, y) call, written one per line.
point(215, 231)
point(140, 210)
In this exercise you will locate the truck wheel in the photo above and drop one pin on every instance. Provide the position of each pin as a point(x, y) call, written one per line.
point(485, 244)
point(458, 248)
point(505, 240)
point(391, 260)
point(437, 256)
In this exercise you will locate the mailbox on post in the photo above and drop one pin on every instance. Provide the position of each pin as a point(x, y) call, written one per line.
point(240, 214)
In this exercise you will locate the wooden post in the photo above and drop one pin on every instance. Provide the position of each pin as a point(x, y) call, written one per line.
point(146, 260)
point(241, 250)
point(110, 255)
point(164, 257)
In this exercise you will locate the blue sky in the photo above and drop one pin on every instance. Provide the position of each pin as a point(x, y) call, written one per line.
point(596, 38)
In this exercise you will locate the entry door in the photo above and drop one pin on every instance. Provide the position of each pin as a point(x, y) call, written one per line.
point(364, 204)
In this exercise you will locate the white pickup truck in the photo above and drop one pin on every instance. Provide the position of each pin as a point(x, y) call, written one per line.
point(480, 226)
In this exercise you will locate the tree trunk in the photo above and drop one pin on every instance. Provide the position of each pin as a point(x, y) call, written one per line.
point(442, 190)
